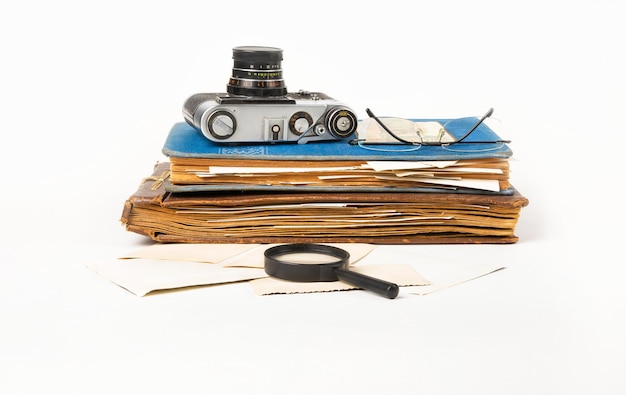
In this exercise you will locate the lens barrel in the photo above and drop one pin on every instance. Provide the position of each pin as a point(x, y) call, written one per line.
point(257, 72)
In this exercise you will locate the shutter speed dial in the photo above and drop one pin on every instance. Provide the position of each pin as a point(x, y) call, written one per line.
point(341, 122)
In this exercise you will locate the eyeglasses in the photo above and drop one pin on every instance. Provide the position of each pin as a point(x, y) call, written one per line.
point(429, 133)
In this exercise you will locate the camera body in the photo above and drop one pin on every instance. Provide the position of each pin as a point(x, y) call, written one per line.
point(300, 117)
point(258, 109)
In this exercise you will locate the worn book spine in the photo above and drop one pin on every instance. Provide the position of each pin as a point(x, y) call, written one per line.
point(150, 191)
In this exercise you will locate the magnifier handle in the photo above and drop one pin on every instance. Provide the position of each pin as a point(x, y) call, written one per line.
point(381, 287)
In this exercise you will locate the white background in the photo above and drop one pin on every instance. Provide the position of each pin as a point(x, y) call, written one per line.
point(89, 90)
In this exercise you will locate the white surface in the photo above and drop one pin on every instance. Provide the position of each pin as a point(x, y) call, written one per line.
point(88, 91)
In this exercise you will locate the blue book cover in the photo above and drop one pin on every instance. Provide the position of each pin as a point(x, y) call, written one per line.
point(185, 141)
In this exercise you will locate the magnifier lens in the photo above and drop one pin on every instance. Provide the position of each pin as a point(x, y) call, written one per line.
point(306, 258)
point(317, 262)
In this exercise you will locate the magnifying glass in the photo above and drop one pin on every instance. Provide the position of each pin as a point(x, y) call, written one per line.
point(330, 264)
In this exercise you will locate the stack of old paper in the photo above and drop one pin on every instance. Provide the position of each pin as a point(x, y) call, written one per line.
point(488, 174)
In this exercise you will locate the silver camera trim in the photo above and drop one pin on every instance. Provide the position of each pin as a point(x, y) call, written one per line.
point(301, 117)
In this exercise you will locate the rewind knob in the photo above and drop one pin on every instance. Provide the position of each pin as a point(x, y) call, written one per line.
point(221, 124)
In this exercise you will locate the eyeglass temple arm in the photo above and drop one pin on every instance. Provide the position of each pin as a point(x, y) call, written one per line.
point(371, 115)
point(481, 120)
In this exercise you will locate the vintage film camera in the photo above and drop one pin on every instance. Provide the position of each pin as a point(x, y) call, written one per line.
point(258, 109)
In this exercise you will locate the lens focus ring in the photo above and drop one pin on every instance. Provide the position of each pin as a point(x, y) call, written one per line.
point(257, 72)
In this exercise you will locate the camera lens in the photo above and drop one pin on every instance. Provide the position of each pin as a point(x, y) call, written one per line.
point(257, 72)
